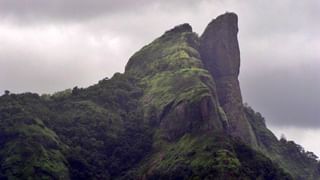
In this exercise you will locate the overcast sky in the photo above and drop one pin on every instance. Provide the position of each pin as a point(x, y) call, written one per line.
point(47, 46)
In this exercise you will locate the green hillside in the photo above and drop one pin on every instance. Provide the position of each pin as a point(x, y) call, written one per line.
point(170, 115)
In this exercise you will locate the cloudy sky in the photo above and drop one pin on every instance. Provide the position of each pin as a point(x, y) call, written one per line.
point(47, 46)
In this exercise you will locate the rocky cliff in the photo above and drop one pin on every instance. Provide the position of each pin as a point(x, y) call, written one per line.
point(173, 66)
point(179, 95)
point(220, 54)
point(176, 113)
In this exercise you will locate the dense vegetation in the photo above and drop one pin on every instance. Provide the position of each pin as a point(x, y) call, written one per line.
point(84, 133)
point(213, 156)
point(159, 120)
point(285, 153)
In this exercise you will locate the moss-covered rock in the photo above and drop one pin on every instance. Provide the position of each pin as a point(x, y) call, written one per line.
point(179, 95)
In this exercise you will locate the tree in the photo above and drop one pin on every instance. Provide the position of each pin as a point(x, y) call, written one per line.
point(283, 138)
point(75, 90)
point(311, 155)
point(6, 92)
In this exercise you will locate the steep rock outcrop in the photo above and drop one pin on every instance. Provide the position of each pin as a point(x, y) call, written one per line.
point(179, 95)
point(220, 54)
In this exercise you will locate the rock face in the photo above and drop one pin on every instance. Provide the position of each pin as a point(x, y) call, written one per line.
point(180, 96)
point(220, 54)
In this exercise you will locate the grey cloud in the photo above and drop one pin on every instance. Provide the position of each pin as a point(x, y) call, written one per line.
point(28, 71)
point(266, 18)
point(60, 9)
point(279, 43)
point(286, 97)
point(35, 11)
point(280, 61)
point(46, 60)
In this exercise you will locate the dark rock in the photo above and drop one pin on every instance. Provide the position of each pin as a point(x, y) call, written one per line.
point(180, 28)
point(220, 54)
point(196, 117)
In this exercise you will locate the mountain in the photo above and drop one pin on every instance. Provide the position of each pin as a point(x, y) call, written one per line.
point(175, 113)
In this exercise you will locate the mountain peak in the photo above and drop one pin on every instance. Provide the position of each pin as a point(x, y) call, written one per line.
point(229, 19)
point(180, 29)
point(219, 49)
point(219, 45)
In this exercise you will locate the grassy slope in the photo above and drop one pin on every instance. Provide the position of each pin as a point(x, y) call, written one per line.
point(209, 156)
point(290, 156)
